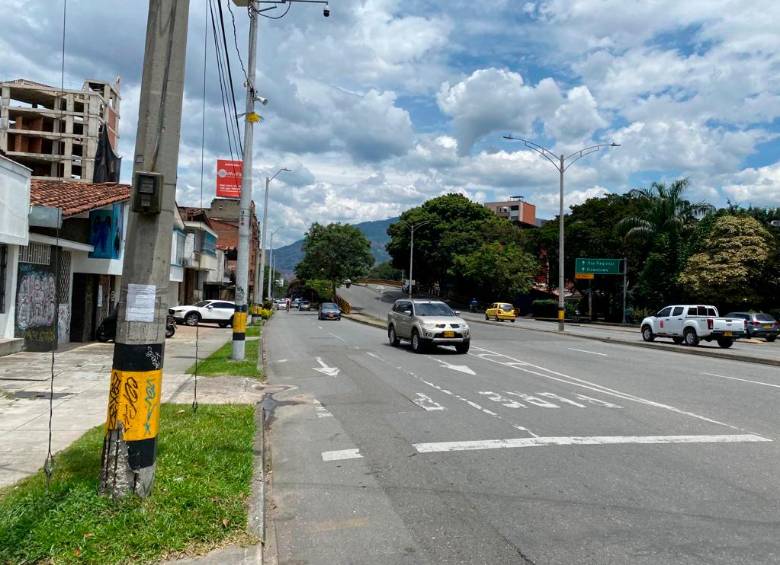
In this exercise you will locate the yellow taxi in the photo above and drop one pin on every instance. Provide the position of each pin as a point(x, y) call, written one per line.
point(501, 311)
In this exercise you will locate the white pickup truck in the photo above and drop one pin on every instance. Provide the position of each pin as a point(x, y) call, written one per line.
point(691, 323)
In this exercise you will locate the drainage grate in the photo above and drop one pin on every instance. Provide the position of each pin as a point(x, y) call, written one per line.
point(37, 394)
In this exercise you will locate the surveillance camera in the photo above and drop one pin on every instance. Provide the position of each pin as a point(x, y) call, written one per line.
point(262, 99)
point(326, 12)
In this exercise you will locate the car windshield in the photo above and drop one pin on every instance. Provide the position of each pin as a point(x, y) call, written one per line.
point(433, 309)
point(203, 303)
point(329, 306)
point(764, 318)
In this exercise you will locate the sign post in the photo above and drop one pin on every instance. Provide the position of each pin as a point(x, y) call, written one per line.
point(229, 175)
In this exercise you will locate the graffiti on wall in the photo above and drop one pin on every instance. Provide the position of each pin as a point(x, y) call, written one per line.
point(63, 323)
point(106, 233)
point(35, 299)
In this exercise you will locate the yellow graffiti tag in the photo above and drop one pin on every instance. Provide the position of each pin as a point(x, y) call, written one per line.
point(134, 401)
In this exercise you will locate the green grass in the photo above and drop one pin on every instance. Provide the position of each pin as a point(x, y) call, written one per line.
point(219, 363)
point(202, 482)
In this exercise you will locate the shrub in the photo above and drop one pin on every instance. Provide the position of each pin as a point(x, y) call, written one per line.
point(265, 313)
point(544, 308)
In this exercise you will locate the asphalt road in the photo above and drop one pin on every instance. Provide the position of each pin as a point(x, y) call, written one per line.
point(533, 448)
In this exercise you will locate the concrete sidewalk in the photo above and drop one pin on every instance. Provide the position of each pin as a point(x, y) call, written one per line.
point(81, 383)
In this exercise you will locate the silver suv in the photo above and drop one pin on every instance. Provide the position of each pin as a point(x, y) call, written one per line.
point(425, 323)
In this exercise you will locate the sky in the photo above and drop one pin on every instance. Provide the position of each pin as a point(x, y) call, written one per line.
point(388, 103)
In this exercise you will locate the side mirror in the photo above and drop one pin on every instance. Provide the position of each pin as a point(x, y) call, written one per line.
point(209, 307)
point(457, 312)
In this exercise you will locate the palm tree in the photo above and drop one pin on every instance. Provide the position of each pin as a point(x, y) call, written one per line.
point(667, 212)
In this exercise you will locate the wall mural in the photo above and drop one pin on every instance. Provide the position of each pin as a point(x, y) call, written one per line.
point(36, 308)
point(105, 233)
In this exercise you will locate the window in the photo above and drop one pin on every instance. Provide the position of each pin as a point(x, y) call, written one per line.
point(664, 313)
point(711, 312)
point(3, 275)
point(678, 310)
point(223, 305)
point(405, 308)
point(759, 318)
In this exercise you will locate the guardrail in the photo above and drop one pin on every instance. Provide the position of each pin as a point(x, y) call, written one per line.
point(345, 306)
point(385, 282)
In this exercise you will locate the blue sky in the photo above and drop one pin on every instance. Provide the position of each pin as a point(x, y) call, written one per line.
point(388, 103)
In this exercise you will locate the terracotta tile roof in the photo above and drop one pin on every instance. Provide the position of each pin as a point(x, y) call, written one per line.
point(76, 197)
point(194, 214)
point(227, 234)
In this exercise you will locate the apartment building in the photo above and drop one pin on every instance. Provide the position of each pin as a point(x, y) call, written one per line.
point(56, 132)
point(516, 210)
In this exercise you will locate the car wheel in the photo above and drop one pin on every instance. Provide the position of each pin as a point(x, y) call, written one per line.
point(417, 342)
point(487, 317)
point(223, 324)
point(725, 342)
point(677, 340)
point(101, 336)
point(169, 331)
point(463, 347)
point(690, 337)
point(513, 320)
point(192, 319)
point(771, 338)
point(392, 337)
point(497, 319)
point(647, 333)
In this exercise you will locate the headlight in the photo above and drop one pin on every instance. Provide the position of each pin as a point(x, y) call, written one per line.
point(429, 325)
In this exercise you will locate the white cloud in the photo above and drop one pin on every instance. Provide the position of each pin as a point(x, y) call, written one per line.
point(756, 186)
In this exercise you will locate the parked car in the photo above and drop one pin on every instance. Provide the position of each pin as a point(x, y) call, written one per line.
point(280, 304)
point(304, 305)
point(107, 329)
point(501, 311)
point(219, 311)
point(691, 323)
point(329, 311)
point(758, 324)
point(425, 323)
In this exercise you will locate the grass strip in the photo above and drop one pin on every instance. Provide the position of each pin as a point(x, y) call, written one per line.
point(220, 363)
point(202, 482)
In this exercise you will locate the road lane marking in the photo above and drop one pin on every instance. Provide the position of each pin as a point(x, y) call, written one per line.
point(321, 411)
point(282, 361)
point(531, 399)
point(503, 400)
point(444, 446)
point(597, 401)
point(742, 380)
point(460, 368)
point(374, 355)
point(341, 455)
point(427, 403)
point(325, 370)
point(574, 381)
point(561, 399)
point(341, 339)
point(586, 351)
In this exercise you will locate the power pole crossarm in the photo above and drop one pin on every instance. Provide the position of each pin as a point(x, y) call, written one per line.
point(130, 444)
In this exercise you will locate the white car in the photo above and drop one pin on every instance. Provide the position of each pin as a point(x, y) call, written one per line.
point(691, 323)
point(427, 323)
point(219, 311)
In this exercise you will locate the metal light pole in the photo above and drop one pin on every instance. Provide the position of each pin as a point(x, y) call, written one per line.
point(411, 254)
point(259, 287)
point(561, 164)
point(270, 263)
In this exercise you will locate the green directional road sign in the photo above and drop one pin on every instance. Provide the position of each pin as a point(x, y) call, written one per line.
point(599, 266)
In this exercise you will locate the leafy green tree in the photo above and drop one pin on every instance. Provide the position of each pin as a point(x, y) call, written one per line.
point(334, 252)
point(455, 226)
point(730, 264)
point(495, 270)
point(385, 271)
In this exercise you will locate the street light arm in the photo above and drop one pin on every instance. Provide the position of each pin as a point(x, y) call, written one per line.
point(543, 151)
point(577, 155)
point(276, 174)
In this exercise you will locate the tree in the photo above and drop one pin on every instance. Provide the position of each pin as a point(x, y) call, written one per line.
point(334, 252)
point(495, 270)
point(456, 226)
point(729, 266)
point(385, 271)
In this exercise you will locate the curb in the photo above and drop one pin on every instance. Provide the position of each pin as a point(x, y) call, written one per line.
point(256, 520)
point(373, 322)
point(671, 347)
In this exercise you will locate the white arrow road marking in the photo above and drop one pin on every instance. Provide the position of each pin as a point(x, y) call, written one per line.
point(325, 370)
point(581, 440)
point(427, 403)
point(459, 368)
point(341, 455)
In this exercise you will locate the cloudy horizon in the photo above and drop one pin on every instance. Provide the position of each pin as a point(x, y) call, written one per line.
point(386, 103)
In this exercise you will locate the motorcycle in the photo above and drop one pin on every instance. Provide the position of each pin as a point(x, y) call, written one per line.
point(107, 329)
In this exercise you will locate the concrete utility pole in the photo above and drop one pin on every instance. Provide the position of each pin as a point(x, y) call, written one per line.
point(244, 222)
point(130, 444)
point(259, 287)
point(561, 164)
point(270, 263)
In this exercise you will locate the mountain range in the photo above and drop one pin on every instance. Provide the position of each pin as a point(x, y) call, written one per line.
point(286, 258)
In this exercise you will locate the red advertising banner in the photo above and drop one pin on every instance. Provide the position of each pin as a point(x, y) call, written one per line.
point(229, 178)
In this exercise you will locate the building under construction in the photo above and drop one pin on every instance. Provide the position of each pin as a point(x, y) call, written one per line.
point(56, 132)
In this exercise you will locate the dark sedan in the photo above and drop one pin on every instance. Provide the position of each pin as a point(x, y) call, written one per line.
point(758, 324)
point(329, 311)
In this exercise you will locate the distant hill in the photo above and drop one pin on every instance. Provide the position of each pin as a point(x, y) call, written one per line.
point(286, 258)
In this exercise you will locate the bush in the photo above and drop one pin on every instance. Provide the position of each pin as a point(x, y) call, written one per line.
point(265, 313)
point(545, 308)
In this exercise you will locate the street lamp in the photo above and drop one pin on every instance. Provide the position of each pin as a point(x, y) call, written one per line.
point(259, 288)
point(413, 227)
point(271, 263)
point(561, 164)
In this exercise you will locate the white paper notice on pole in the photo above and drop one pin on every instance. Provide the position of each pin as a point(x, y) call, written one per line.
point(140, 302)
